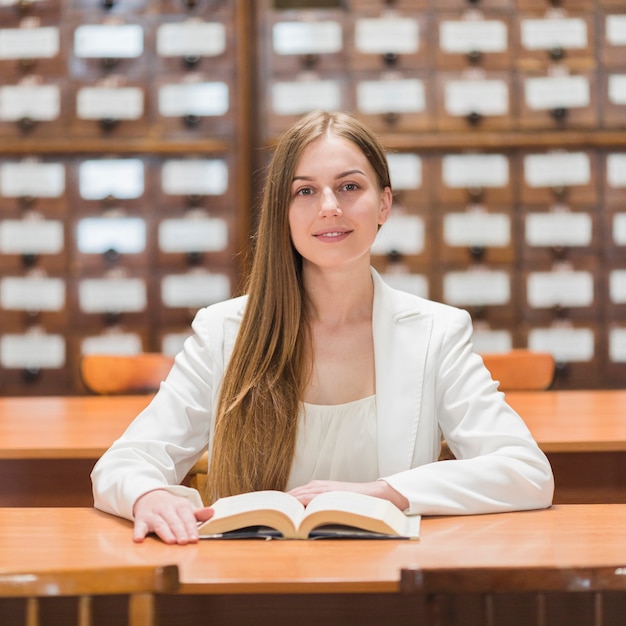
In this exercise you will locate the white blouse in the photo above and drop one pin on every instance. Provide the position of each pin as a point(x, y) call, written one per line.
point(336, 442)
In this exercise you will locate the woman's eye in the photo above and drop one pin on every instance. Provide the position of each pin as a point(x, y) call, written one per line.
point(350, 186)
point(305, 191)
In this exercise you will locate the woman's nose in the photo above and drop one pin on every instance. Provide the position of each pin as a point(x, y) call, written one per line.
point(329, 204)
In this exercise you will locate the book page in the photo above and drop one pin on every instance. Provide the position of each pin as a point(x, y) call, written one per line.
point(362, 511)
point(275, 509)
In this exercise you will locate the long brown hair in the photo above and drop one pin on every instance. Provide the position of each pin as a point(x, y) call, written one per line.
point(256, 422)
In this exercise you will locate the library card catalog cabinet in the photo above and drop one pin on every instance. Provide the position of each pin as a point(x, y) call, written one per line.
point(505, 124)
point(124, 177)
point(134, 136)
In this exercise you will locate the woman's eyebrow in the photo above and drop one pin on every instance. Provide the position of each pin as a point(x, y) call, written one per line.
point(342, 175)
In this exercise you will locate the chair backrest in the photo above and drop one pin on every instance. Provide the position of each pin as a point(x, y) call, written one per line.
point(521, 370)
point(139, 583)
point(124, 373)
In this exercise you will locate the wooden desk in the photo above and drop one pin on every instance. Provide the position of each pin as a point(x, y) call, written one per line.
point(48, 445)
point(47, 442)
point(336, 582)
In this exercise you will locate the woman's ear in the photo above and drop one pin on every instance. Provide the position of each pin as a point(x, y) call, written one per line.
point(386, 200)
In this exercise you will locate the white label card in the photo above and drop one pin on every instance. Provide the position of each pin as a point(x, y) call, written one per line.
point(401, 233)
point(39, 180)
point(487, 97)
point(32, 350)
point(559, 228)
point(477, 228)
point(557, 169)
point(32, 294)
point(616, 170)
point(193, 234)
point(192, 37)
point(486, 341)
point(565, 344)
point(112, 343)
point(405, 171)
point(548, 92)
point(194, 290)
point(38, 102)
point(616, 30)
point(617, 286)
point(112, 295)
point(617, 345)
point(29, 43)
point(118, 178)
point(564, 288)
point(466, 171)
point(417, 284)
point(399, 35)
point(307, 37)
point(31, 236)
point(619, 229)
point(465, 36)
point(391, 96)
point(617, 89)
point(97, 235)
point(118, 103)
point(296, 98)
point(115, 41)
point(543, 34)
point(203, 99)
point(184, 177)
point(477, 287)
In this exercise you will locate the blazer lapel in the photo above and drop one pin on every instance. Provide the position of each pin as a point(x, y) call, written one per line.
point(401, 338)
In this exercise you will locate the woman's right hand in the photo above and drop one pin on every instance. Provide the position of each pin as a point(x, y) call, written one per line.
point(172, 518)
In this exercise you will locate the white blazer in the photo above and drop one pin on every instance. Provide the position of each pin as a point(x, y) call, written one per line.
point(429, 383)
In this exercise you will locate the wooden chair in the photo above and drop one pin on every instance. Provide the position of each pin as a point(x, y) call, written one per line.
point(124, 373)
point(521, 370)
point(135, 373)
point(516, 370)
point(139, 583)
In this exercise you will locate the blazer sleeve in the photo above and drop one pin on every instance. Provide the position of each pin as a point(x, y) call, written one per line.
point(498, 465)
point(171, 433)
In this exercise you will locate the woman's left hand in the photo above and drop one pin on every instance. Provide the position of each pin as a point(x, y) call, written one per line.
point(377, 488)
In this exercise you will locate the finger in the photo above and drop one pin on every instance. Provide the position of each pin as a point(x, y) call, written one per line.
point(202, 515)
point(140, 531)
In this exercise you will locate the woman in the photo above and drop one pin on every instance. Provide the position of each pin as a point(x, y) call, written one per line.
point(323, 377)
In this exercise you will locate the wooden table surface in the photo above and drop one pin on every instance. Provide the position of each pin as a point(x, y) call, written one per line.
point(85, 426)
point(564, 536)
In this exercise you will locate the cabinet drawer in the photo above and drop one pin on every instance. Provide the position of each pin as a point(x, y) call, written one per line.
point(560, 233)
point(474, 100)
point(36, 45)
point(562, 291)
point(556, 37)
point(558, 100)
point(305, 40)
point(34, 107)
point(561, 176)
point(184, 44)
point(109, 45)
point(394, 102)
point(470, 40)
point(111, 107)
point(473, 177)
point(613, 103)
point(33, 242)
point(194, 105)
point(383, 41)
point(34, 184)
point(475, 234)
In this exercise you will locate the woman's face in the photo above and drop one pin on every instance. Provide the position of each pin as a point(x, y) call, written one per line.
point(336, 204)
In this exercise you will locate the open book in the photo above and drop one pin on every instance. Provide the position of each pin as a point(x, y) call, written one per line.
point(331, 514)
